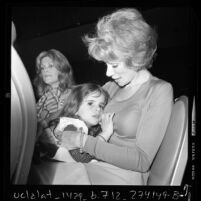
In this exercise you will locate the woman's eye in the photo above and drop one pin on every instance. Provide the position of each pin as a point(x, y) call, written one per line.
point(90, 103)
point(42, 67)
point(46, 67)
point(115, 66)
point(101, 106)
point(112, 65)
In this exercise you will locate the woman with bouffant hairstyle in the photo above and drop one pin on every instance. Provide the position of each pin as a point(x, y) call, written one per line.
point(142, 103)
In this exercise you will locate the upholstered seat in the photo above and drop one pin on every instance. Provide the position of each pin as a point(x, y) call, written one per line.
point(170, 162)
point(23, 121)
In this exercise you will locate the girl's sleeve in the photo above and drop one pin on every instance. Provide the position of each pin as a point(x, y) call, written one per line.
point(151, 131)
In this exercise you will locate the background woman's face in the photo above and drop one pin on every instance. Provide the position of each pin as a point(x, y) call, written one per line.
point(120, 73)
point(49, 72)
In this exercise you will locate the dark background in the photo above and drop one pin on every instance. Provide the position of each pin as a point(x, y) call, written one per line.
point(62, 27)
point(45, 26)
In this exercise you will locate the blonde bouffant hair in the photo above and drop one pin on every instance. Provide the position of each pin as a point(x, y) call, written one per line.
point(125, 36)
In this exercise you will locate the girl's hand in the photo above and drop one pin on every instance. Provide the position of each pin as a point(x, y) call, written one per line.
point(107, 125)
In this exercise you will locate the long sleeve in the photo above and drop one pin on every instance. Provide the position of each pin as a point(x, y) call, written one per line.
point(151, 128)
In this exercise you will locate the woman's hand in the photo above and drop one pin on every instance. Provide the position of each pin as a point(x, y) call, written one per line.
point(58, 134)
point(71, 139)
point(107, 125)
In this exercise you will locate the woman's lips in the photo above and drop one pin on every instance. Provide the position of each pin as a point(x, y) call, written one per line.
point(47, 75)
point(117, 79)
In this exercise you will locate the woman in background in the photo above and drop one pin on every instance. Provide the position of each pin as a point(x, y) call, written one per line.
point(53, 82)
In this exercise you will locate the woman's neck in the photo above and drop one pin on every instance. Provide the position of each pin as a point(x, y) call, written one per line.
point(55, 85)
point(141, 77)
point(130, 89)
point(54, 88)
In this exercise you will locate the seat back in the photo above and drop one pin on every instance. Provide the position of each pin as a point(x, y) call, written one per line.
point(23, 121)
point(170, 162)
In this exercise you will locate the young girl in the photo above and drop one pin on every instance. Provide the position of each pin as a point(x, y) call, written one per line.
point(83, 112)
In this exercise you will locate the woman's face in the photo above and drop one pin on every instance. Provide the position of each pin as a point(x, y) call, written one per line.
point(49, 72)
point(120, 73)
point(91, 108)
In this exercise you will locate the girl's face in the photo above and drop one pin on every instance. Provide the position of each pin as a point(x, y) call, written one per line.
point(120, 73)
point(49, 72)
point(91, 108)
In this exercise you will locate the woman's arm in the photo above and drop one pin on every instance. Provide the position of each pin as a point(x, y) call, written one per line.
point(150, 133)
point(49, 144)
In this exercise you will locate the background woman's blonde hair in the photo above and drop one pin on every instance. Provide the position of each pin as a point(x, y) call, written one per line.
point(63, 66)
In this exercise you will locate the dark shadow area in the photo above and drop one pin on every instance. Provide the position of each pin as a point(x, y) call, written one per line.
point(62, 28)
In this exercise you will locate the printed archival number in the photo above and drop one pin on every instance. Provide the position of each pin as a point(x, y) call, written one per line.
point(122, 194)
